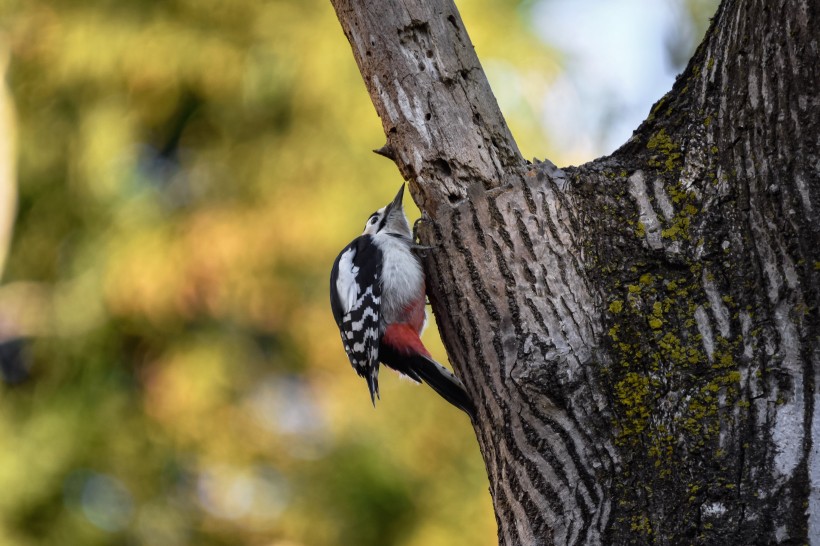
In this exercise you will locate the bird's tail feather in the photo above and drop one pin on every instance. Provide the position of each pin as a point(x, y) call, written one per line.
point(442, 381)
point(372, 377)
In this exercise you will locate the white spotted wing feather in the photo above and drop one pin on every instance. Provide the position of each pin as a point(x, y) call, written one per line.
point(355, 298)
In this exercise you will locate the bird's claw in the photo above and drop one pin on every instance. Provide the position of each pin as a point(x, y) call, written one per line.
point(420, 249)
point(419, 220)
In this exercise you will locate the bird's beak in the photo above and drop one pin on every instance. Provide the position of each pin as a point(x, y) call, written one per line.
point(396, 204)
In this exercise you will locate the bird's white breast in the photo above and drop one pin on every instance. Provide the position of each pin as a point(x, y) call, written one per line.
point(402, 277)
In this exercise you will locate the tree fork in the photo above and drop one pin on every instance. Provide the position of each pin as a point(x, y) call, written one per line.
point(640, 333)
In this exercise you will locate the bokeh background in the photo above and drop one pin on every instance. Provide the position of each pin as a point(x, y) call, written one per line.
point(176, 178)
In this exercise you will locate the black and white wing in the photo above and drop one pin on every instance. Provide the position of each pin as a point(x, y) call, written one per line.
point(355, 298)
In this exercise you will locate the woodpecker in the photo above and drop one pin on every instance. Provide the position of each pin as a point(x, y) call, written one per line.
point(377, 295)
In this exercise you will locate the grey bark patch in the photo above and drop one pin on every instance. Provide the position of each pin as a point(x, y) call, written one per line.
point(646, 214)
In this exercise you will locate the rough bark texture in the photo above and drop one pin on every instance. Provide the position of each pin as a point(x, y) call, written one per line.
point(640, 333)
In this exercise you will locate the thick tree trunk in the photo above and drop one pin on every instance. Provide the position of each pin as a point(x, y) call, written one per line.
point(640, 333)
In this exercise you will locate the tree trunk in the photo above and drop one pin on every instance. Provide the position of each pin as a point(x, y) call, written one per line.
point(640, 333)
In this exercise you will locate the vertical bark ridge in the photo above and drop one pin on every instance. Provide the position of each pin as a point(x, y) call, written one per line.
point(547, 441)
point(563, 458)
point(780, 101)
point(710, 188)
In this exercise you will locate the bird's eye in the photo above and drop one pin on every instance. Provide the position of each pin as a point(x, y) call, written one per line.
point(374, 220)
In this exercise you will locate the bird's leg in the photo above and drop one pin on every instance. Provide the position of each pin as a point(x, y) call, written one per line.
point(420, 249)
point(419, 220)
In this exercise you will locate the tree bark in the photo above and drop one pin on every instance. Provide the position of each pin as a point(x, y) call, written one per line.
point(640, 333)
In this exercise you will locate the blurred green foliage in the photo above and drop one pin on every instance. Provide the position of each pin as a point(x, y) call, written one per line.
point(188, 170)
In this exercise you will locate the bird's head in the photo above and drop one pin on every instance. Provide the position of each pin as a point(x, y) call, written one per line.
point(389, 219)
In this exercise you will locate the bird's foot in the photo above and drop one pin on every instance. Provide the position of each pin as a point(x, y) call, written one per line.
point(416, 247)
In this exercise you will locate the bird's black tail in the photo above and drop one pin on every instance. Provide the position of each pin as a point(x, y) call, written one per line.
point(444, 383)
point(440, 379)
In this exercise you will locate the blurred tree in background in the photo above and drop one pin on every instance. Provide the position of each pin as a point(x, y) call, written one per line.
point(170, 373)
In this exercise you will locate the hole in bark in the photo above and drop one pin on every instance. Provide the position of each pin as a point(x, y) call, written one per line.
point(452, 20)
point(443, 166)
point(463, 73)
point(429, 53)
point(367, 53)
point(477, 118)
point(421, 67)
point(428, 116)
point(453, 198)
